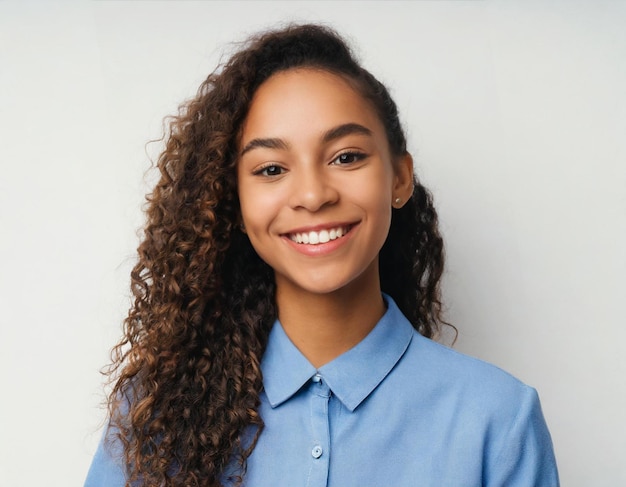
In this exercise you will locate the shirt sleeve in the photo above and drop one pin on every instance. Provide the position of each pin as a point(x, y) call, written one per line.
point(526, 456)
point(107, 468)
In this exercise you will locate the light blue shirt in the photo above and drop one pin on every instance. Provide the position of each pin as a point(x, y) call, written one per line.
point(396, 410)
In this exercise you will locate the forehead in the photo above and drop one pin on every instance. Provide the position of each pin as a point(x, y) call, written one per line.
point(305, 100)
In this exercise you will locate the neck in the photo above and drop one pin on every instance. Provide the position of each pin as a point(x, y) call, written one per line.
point(323, 326)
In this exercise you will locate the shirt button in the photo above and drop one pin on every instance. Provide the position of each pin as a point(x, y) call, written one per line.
point(317, 378)
point(317, 451)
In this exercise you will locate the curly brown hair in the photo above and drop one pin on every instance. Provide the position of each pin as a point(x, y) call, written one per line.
point(186, 375)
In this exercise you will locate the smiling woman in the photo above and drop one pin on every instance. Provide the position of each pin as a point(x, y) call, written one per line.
point(287, 295)
point(332, 175)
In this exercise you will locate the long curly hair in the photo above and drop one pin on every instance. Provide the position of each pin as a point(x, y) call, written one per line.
point(186, 375)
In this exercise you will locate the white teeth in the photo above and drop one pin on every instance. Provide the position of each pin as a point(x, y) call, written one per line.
point(323, 236)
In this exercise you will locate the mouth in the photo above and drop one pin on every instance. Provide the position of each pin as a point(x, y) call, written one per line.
point(320, 236)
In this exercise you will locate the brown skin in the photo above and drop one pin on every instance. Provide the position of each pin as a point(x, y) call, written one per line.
point(324, 326)
point(328, 296)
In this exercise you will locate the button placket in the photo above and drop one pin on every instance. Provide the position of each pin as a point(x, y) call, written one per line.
point(320, 445)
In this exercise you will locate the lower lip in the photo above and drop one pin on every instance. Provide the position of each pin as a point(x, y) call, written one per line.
point(322, 248)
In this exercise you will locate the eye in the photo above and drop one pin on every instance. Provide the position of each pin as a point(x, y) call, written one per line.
point(348, 158)
point(269, 171)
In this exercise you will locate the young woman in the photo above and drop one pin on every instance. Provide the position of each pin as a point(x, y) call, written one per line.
point(286, 295)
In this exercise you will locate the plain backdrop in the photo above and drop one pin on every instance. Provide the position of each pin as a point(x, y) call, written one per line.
point(516, 116)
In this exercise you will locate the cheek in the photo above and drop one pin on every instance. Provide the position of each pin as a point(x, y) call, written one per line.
point(379, 204)
point(249, 199)
point(258, 207)
point(375, 192)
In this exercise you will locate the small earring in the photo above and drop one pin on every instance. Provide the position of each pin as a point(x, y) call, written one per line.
point(397, 201)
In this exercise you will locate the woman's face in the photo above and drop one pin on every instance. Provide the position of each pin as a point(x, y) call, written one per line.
point(316, 181)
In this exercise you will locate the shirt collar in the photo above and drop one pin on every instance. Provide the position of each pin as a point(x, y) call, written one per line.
point(352, 376)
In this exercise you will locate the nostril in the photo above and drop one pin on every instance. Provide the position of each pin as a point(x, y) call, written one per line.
point(313, 193)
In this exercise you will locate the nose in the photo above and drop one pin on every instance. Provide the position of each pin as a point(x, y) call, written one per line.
point(312, 189)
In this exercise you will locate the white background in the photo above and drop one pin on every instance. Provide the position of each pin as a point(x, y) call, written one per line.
point(516, 115)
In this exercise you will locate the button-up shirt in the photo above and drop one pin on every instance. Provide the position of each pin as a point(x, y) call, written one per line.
point(396, 410)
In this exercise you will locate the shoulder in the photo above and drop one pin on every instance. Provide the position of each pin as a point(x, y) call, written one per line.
point(454, 387)
point(480, 405)
point(107, 467)
point(454, 370)
point(426, 364)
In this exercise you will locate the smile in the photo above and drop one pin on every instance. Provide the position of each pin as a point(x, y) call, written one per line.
point(320, 237)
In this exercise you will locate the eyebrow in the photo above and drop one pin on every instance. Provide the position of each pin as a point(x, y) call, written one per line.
point(270, 143)
point(345, 129)
point(330, 135)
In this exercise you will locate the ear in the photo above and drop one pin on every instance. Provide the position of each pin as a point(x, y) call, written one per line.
point(403, 181)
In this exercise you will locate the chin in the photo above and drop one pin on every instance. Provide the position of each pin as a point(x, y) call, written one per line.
point(323, 288)
point(324, 285)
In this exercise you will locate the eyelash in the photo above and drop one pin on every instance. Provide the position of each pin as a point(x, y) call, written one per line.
point(262, 171)
point(354, 155)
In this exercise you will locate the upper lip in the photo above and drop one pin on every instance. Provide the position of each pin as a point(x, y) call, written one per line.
point(320, 227)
